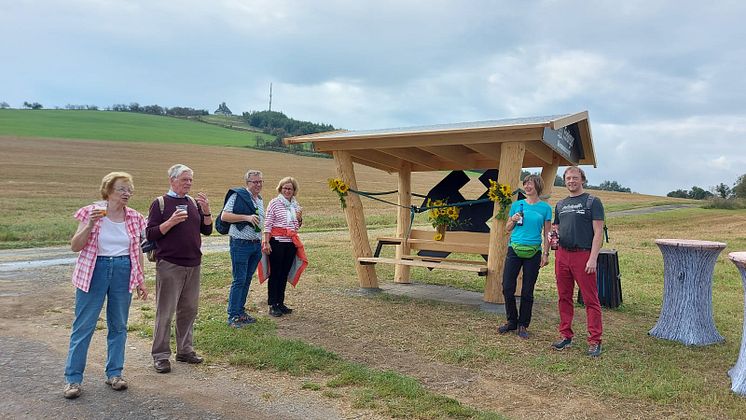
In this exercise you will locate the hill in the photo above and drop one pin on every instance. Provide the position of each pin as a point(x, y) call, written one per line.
point(120, 126)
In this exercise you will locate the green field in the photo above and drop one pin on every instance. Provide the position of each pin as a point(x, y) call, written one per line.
point(119, 126)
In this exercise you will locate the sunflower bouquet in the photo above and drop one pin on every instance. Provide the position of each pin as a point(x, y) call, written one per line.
point(441, 215)
point(339, 186)
point(502, 195)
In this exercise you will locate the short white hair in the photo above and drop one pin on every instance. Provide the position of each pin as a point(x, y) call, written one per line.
point(178, 169)
point(252, 172)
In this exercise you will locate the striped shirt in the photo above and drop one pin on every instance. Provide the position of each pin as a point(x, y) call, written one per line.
point(83, 271)
point(277, 216)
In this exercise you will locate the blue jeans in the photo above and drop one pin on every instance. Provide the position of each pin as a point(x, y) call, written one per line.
point(110, 282)
point(245, 257)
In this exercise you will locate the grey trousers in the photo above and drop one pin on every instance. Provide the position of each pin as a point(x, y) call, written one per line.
point(176, 291)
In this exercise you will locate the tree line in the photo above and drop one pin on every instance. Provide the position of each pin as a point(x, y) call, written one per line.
point(279, 125)
point(722, 191)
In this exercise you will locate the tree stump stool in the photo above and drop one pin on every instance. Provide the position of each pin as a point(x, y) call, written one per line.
point(686, 314)
point(738, 372)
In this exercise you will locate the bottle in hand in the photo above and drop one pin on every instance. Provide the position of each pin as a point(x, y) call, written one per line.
point(519, 222)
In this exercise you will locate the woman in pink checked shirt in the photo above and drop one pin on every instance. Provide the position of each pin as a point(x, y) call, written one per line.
point(109, 268)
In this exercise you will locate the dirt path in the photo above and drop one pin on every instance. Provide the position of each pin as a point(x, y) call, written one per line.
point(35, 314)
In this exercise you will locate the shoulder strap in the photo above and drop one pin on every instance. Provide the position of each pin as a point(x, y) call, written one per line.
point(161, 203)
point(589, 201)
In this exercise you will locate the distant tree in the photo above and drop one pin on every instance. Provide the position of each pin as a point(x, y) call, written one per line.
point(722, 190)
point(35, 105)
point(558, 181)
point(153, 109)
point(698, 193)
point(739, 188)
point(120, 108)
point(223, 109)
point(135, 107)
point(269, 120)
point(612, 186)
point(678, 194)
point(4, 105)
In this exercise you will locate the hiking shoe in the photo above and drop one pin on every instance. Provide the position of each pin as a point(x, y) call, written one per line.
point(190, 358)
point(246, 319)
point(275, 311)
point(285, 310)
point(236, 322)
point(562, 344)
point(506, 328)
point(594, 350)
point(162, 366)
point(72, 391)
point(117, 383)
point(523, 332)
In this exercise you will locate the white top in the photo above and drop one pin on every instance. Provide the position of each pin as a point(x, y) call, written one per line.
point(738, 258)
point(113, 240)
point(691, 243)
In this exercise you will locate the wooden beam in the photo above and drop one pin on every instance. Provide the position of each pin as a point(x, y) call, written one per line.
point(540, 150)
point(356, 221)
point(453, 153)
point(570, 119)
point(378, 158)
point(401, 272)
point(414, 155)
point(376, 165)
point(430, 139)
point(490, 150)
point(509, 172)
point(548, 174)
point(474, 268)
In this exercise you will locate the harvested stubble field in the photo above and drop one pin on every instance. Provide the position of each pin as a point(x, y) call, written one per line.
point(451, 350)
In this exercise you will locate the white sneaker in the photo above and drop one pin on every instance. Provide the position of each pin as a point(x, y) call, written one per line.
point(72, 391)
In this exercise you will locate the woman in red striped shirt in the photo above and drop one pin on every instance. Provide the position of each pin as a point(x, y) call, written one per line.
point(283, 218)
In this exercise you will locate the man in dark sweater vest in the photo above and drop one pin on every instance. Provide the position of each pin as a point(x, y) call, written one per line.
point(175, 222)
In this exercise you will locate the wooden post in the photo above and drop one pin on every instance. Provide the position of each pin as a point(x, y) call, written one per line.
point(509, 172)
point(401, 273)
point(356, 221)
point(548, 174)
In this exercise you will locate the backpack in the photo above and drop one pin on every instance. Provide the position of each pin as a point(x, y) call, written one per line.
point(588, 205)
point(245, 206)
point(149, 247)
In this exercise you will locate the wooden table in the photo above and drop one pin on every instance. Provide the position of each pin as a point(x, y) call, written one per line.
point(738, 372)
point(686, 314)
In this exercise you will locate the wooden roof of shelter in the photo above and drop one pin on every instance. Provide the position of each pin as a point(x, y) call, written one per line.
point(471, 145)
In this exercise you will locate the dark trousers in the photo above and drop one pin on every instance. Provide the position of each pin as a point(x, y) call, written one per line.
point(280, 260)
point(513, 265)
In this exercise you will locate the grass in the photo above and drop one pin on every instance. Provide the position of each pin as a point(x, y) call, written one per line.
point(119, 126)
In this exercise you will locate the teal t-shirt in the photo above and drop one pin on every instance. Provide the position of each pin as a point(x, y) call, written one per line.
point(534, 216)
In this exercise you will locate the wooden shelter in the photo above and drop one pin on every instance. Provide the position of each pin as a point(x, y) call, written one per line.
point(508, 145)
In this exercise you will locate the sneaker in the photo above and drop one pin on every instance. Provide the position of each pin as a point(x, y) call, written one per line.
point(594, 350)
point(246, 319)
point(162, 366)
point(235, 323)
point(72, 391)
point(506, 328)
point(562, 344)
point(275, 311)
point(523, 332)
point(117, 383)
point(191, 358)
point(285, 310)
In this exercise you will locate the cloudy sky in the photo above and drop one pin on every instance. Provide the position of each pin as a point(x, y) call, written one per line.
point(662, 80)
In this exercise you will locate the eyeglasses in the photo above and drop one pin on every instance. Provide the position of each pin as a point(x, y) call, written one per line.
point(260, 182)
point(121, 190)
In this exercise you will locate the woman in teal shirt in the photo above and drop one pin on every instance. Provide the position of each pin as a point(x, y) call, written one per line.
point(529, 221)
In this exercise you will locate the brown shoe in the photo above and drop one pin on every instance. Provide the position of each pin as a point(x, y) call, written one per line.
point(117, 383)
point(190, 358)
point(162, 366)
point(72, 391)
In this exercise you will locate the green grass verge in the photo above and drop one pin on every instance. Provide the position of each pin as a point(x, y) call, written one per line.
point(119, 126)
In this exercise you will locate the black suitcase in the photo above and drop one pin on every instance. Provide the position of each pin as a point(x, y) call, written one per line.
point(608, 279)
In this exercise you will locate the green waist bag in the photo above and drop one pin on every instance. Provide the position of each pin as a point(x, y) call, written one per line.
point(525, 251)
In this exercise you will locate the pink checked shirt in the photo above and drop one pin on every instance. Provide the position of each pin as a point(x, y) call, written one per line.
point(83, 272)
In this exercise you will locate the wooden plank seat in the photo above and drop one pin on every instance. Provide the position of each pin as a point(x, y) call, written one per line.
point(423, 240)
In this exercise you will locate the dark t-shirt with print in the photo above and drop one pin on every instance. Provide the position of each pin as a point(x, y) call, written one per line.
point(576, 222)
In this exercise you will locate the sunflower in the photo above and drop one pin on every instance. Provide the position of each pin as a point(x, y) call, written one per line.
point(438, 236)
point(343, 188)
point(452, 212)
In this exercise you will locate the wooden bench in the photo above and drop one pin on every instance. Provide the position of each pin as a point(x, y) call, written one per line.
point(423, 240)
